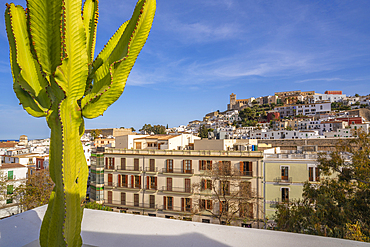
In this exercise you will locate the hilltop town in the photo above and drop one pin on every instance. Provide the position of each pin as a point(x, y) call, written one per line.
point(269, 144)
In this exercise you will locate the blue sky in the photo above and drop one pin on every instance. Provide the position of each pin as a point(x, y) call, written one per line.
point(199, 52)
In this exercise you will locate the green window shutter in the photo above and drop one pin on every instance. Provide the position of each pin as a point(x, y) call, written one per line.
point(9, 189)
point(10, 175)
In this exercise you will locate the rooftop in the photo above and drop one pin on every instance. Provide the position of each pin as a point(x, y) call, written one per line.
point(102, 228)
point(11, 165)
point(158, 137)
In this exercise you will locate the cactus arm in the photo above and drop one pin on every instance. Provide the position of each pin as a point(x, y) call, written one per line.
point(71, 75)
point(29, 104)
point(44, 21)
point(130, 43)
point(90, 18)
point(29, 75)
point(108, 48)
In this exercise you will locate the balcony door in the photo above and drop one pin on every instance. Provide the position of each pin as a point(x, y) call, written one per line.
point(169, 184)
point(187, 185)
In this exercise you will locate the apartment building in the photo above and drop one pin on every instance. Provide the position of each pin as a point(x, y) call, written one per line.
point(14, 174)
point(285, 175)
point(160, 182)
point(304, 109)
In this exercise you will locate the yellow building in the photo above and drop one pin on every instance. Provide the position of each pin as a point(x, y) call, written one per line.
point(285, 175)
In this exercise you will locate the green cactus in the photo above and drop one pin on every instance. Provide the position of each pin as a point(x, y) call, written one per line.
point(55, 76)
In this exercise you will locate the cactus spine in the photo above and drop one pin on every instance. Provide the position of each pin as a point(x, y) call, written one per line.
point(56, 76)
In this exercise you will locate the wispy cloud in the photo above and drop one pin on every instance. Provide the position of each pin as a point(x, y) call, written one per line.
point(329, 79)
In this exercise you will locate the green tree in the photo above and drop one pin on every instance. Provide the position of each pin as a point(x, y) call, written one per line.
point(203, 132)
point(341, 202)
point(132, 129)
point(156, 129)
point(55, 75)
point(95, 133)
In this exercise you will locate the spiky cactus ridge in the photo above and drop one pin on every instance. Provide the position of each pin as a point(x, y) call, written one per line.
point(56, 76)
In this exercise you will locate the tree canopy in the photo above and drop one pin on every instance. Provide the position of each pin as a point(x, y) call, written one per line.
point(156, 129)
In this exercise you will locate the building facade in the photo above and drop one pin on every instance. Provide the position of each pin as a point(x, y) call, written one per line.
point(161, 182)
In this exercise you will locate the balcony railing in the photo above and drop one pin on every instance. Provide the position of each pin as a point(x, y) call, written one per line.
point(178, 171)
point(130, 168)
point(177, 209)
point(153, 169)
point(283, 180)
point(150, 187)
point(246, 173)
point(122, 185)
point(177, 189)
point(120, 203)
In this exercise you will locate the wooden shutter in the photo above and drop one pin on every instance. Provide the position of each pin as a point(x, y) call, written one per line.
point(183, 166)
point(139, 182)
point(250, 168)
point(182, 204)
point(220, 207)
point(123, 198)
point(210, 204)
point(132, 181)
point(106, 162)
point(169, 184)
point(191, 204)
point(211, 165)
point(191, 165)
point(155, 181)
point(119, 180)
point(220, 167)
point(200, 165)
point(113, 167)
point(126, 176)
point(167, 165)
point(317, 174)
point(147, 183)
point(110, 197)
point(164, 203)
point(241, 168)
point(123, 163)
point(110, 179)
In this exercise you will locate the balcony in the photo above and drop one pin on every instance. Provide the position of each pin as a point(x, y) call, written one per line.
point(169, 189)
point(178, 171)
point(150, 187)
point(153, 169)
point(175, 209)
point(283, 180)
point(130, 168)
point(129, 204)
point(246, 173)
point(122, 185)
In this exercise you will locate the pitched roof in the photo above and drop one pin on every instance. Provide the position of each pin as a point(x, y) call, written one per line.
point(11, 165)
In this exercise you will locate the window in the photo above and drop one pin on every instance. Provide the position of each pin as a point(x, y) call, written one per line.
point(153, 182)
point(225, 187)
point(187, 166)
point(246, 168)
point(136, 164)
point(225, 167)
point(137, 181)
point(9, 189)
point(187, 185)
point(285, 194)
point(284, 173)
point(8, 201)
point(124, 180)
point(123, 163)
point(152, 201)
point(169, 166)
point(110, 197)
point(123, 198)
point(313, 174)
point(224, 206)
point(152, 165)
point(205, 165)
point(169, 184)
point(136, 200)
point(205, 204)
point(10, 175)
point(246, 210)
point(109, 163)
point(206, 221)
point(186, 204)
point(310, 174)
point(110, 180)
point(206, 184)
point(169, 203)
